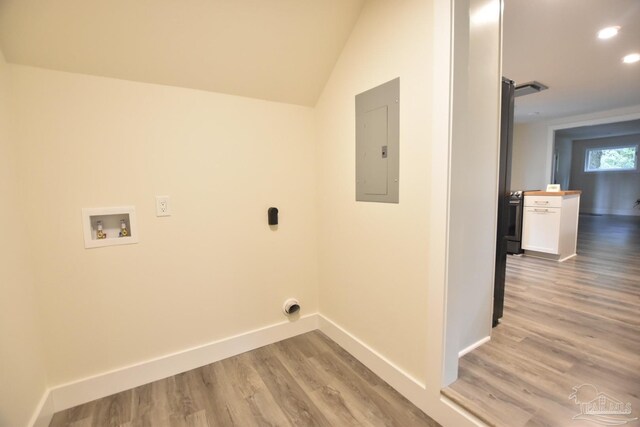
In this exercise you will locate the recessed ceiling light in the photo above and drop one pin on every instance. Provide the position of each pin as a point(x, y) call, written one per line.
point(631, 58)
point(607, 33)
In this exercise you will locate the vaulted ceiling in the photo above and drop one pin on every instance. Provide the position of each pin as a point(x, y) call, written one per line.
point(280, 50)
point(285, 50)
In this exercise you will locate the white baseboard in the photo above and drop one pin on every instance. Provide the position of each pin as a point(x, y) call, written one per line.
point(87, 389)
point(403, 382)
point(474, 346)
point(414, 390)
point(547, 256)
point(44, 411)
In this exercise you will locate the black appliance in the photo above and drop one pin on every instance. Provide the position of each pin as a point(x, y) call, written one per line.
point(514, 223)
point(504, 195)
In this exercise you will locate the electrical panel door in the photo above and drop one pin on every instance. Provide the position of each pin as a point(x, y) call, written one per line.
point(377, 143)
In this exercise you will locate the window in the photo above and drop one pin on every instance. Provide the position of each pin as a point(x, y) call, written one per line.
point(611, 159)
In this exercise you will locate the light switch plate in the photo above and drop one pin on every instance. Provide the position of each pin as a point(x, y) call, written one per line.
point(163, 208)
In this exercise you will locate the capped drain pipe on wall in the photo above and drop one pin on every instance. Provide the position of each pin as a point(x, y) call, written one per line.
point(291, 306)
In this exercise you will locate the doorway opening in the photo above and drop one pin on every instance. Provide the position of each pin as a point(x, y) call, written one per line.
point(571, 323)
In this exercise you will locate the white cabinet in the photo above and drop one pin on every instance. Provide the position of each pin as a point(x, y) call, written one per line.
point(550, 224)
point(541, 229)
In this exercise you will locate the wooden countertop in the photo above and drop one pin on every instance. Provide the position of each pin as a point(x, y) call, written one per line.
point(552, 193)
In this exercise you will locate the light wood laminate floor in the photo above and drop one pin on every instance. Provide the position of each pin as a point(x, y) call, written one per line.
point(303, 381)
point(565, 324)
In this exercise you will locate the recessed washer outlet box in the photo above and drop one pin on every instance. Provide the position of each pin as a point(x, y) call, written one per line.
point(110, 222)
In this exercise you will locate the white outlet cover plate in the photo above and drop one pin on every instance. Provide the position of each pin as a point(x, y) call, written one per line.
point(163, 207)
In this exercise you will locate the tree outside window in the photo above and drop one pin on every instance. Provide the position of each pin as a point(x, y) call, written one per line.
point(611, 159)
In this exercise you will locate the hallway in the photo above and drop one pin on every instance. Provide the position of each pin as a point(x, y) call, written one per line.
point(565, 324)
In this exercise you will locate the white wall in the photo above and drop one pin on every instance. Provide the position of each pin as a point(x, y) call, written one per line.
point(22, 375)
point(212, 270)
point(529, 161)
point(533, 144)
point(605, 192)
point(375, 269)
point(373, 256)
point(474, 178)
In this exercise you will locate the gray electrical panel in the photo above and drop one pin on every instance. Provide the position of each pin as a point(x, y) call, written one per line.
point(377, 143)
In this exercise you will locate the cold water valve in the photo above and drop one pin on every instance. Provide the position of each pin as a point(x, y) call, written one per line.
point(123, 229)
